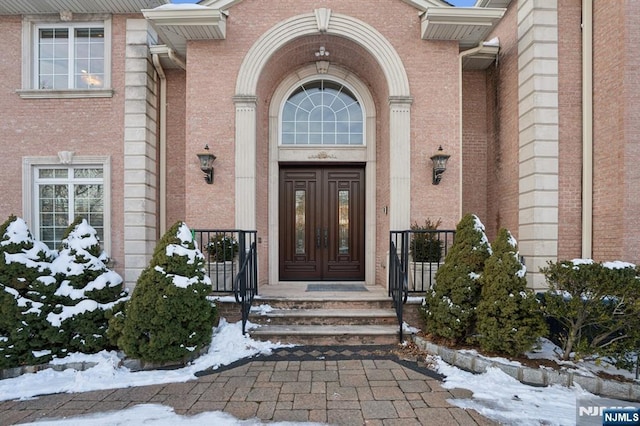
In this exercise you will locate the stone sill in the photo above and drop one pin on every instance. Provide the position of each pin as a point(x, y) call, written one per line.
point(535, 377)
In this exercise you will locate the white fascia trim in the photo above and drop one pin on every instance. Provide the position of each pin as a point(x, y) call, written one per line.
point(169, 17)
point(466, 15)
point(220, 4)
point(423, 5)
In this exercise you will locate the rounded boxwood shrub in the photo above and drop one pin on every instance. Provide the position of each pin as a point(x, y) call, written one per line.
point(168, 317)
point(509, 318)
point(449, 308)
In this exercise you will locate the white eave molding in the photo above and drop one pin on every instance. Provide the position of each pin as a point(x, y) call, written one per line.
point(481, 56)
point(177, 24)
point(469, 26)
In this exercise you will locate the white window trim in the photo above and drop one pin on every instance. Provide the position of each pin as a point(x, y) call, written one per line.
point(29, 211)
point(334, 79)
point(29, 38)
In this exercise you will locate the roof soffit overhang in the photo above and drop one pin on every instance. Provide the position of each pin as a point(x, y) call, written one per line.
point(480, 57)
point(176, 25)
point(468, 26)
point(38, 7)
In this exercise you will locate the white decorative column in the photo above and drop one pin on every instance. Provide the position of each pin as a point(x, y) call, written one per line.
point(140, 168)
point(400, 162)
point(538, 135)
point(245, 162)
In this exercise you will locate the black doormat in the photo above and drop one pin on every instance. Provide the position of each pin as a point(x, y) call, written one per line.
point(336, 287)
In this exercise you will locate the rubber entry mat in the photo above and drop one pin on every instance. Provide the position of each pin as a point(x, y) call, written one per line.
point(336, 287)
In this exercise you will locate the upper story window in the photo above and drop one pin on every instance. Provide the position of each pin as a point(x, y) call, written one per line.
point(66, 59)
point(69, 57)
point(322, 112)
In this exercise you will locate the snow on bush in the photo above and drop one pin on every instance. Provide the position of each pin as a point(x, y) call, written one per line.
point(169, 316)
point(50, 303)
point(450, 306)
point(88, 292)
point(25, 286)
point(509, 318)
point(595, 308)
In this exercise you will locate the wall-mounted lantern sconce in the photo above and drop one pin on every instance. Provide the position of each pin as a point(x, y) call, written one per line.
point(439, 165)
point(206, 164)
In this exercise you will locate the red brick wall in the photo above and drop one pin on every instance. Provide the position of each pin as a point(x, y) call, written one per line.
point(176, 159)
point(475, 120)
point(631, 157)
point(432, 68)
point(570, 129)
point(503, 131)
point(609, 99)
point(42, 127)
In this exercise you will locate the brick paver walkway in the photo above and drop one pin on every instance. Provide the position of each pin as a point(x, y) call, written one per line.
point(333, 391)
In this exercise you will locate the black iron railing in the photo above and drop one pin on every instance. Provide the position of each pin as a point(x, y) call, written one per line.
point(398, 288)
point(245, 285)
point(232, 264)
point(414, 259)
point(223, 250)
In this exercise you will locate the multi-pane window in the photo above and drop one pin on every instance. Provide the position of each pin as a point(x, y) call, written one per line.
point(322, 113)
point(65, 193)
point(70, 56)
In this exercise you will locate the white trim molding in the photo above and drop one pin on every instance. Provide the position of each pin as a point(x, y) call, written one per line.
point(364, 154)
point(538, 138)
point(29, 164)
point(391, 66)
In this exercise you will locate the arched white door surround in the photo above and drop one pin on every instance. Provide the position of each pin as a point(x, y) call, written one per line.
point(344, 154)
point(323, 21)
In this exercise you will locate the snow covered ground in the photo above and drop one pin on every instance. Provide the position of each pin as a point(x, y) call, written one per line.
point(495, 395)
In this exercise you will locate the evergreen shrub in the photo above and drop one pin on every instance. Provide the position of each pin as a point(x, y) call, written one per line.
point(169, 316)
point(425, 246)
point(449, 307)
point(509, 317)
point(88, 293)
point(597, 306)
point(25, 286)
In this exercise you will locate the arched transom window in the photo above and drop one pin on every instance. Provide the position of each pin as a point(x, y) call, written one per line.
point(322, 112)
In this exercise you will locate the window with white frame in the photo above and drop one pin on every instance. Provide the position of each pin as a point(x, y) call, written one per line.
point(322, 112)
point(57, 194)
point(70, 56)
point(63, 56)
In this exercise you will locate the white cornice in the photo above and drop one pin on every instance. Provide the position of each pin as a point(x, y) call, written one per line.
point(423, 5)
point(25, 7)
point(176, 25)
point(468, 26)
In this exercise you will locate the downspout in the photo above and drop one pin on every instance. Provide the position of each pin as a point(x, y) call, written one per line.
point(461, 57)
point(162, 141)
point(587, 129)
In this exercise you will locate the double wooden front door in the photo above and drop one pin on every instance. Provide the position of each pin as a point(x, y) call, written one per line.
point(321, 223)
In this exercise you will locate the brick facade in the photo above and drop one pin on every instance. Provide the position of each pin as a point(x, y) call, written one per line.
point(494, 122)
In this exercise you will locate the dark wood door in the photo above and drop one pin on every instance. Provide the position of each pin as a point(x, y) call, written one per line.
point(321, 223)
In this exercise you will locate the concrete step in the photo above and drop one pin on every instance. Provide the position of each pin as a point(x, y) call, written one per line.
point(312, 303)
point(328, 334)
point(325, 317)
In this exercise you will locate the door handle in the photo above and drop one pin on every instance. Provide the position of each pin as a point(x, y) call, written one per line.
point(326, 238)
point(318, 238)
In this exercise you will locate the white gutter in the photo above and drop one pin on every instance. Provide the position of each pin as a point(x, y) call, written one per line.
point(461, 57)
point(587, 129)
point(162, 128)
